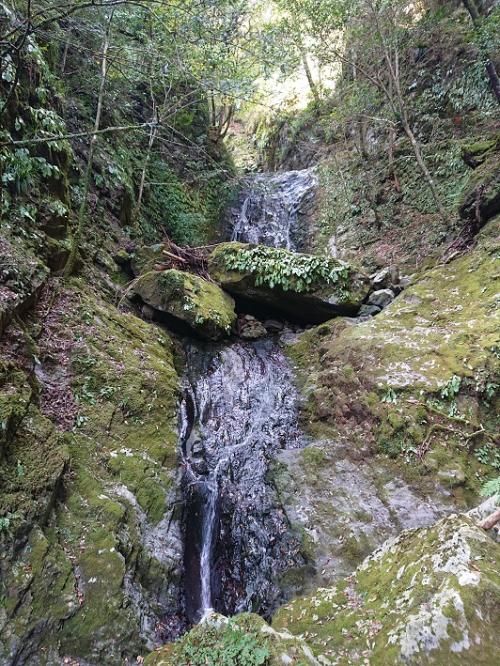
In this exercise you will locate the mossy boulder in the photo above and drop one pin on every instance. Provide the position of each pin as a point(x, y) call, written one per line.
point(304, 287)
point(428, 596)
point(200, 304)
point(244, 640)
point(414, 383)
point(481, 197)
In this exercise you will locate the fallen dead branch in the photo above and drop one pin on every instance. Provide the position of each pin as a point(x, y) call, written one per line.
point(190, 259)
point(491, 520)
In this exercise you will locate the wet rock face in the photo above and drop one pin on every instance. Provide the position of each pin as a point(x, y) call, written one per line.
point(240, 410)
point(346, 504)
point(270, 207)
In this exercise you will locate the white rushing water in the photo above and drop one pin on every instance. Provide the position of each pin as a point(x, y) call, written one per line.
point(240, 408)
point(271, 204)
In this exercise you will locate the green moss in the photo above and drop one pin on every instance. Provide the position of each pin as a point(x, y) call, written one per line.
point(191, 299)
point(314, 457)
point(245, 640)
point(88, 548)
point(442, 326)
point(407, 585)
point(355, 549)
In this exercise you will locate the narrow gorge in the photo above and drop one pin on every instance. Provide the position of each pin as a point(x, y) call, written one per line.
point(249, 333)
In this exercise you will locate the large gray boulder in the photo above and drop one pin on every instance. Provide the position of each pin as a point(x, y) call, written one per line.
point(306, 288)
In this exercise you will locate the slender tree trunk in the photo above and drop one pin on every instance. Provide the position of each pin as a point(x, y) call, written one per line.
point(65, 53)
point(392, 165)
point(391, 57)
point(152, 136)
point(423, 168)
point(77, 236)
point(140, 194)
point(489, 65)
point(309, 74)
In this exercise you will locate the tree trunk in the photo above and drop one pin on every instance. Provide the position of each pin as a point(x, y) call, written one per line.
point(65, 52)
point(77, 236)
point(423, 168)
point(392, 166)
point(309, 75)
point(137, 207)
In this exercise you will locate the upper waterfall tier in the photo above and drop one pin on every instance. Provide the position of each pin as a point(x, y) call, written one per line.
point(269, 206)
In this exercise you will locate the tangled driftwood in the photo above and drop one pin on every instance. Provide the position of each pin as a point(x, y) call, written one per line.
point(190, 259)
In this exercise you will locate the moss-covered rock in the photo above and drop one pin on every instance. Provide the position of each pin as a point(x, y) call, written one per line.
point(481, 198)
point(245, 640)
point(200, 304)
point(304, 287)
point(89, 524)
point(429, 596)
point(419, 378)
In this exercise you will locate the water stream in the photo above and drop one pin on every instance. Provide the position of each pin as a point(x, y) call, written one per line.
point(239, 410)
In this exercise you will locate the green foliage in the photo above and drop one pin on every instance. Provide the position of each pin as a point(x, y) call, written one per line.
point(451, 388)
point(488, 455)
point(450, 391)
point(491, 487)
point(390, 396)
point(189, 215)
point(398, 445)
point(275, 267)
point(4, 525)
point(230, 647)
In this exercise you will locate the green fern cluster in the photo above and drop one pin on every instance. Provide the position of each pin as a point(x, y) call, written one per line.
point(491, 487)
point(230, 647)
point(275, 267)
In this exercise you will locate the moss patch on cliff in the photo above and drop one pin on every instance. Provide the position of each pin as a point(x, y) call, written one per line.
point(85, 503)
point(421, 375)
point(413, 601)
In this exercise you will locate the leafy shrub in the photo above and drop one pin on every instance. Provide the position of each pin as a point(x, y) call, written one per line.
point(275, 267)
point(491, 487)
point(230, 646)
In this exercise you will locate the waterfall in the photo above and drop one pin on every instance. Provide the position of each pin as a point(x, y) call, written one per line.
point(270, 207)
point(240, 408)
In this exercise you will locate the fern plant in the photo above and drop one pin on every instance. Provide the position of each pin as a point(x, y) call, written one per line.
point(491, 487)
point(276, 267)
